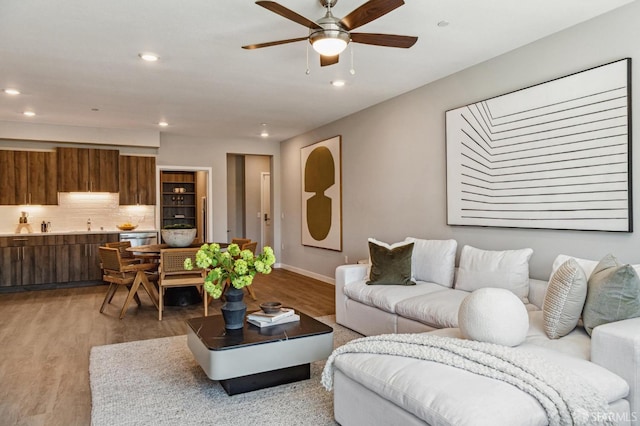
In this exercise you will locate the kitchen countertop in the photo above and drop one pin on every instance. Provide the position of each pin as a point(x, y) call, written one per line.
point(98, 231)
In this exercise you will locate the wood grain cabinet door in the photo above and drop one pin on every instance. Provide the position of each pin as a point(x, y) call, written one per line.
point(147, 180)
point(28, 177)
point(9, 178)
point(137, 180)
point(103, 174)
point(87, 169)
point(71, 176)
point(42, 179)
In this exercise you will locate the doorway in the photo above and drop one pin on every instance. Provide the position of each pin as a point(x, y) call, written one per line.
point(246, 207)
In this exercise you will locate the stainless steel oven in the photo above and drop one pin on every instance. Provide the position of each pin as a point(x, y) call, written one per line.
point(140, 238)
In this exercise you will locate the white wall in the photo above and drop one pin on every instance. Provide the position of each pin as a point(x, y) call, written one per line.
point(79, 134)
point(394, 156)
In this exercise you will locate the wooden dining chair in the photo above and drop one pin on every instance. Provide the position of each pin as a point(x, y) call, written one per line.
point(240, 241)
point(173, 274)
point(130, 275)
point(125, 256)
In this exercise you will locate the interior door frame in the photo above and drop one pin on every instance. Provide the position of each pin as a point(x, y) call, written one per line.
point(263, 233)
point(209, 170)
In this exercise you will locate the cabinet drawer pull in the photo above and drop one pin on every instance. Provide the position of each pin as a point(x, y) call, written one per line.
point(20, 239)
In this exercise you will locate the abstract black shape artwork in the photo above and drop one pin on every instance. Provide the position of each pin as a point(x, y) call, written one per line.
point(322, 194)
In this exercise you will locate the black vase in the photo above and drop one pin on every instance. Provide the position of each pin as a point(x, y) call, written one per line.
point(234, 308)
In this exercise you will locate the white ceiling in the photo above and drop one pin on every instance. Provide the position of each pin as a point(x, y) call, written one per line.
point(68, 57)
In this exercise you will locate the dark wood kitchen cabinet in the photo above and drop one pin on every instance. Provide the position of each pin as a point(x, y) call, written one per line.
point(27, 260)
point(88, 169)
point(28, 177)
point(137, 180)
point(77, 257)
point(51, 259)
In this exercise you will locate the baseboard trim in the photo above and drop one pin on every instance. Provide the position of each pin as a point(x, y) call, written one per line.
point(306, 273)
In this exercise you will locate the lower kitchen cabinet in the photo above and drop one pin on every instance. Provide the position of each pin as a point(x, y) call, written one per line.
point(78, 258)
point(51, 259)
point(27, 260)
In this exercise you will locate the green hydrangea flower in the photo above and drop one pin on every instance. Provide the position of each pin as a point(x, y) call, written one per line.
point(231, 265)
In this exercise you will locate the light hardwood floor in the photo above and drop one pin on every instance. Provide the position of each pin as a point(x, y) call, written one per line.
point(46, 336)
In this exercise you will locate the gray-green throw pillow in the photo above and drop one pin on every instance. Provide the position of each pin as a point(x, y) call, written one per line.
point(613, 294)
point(390, 265)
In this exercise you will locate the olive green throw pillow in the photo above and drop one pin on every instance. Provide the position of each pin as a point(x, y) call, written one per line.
point(390, 265)
point(613, 294)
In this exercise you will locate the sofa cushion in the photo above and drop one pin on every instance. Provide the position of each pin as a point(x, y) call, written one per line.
point(445, 395)
point(613, 294)
point(493, 315)
point(564, 299)
point(577, 343)
point(390, 265)
point(433, 260)
point(387, 297)
point(437, 309)
point(503, 269)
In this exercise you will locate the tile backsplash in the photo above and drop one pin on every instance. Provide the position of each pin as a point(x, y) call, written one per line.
point(75, 209)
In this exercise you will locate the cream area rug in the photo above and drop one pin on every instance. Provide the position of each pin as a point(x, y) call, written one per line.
point(158, 382)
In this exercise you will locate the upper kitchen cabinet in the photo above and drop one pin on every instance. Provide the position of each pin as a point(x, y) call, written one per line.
point(137, 180)
point(28, 177)
point(88, 169)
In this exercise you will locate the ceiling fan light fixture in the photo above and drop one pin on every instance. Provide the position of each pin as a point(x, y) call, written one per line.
point(329, 42)
point(148, 56)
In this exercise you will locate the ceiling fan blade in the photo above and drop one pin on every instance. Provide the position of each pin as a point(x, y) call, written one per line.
point(329, 60)
point(288, 13)
point(373, 9)
point(388, 40)
point(273, 43)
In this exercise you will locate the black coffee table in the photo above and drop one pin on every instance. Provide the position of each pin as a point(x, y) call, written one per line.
point(255, 358)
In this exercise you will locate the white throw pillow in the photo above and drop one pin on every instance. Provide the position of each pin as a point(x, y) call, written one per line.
point(433, 260)
point(564, 300)
point(587, 265)
point(507, 269)
point(493, 315)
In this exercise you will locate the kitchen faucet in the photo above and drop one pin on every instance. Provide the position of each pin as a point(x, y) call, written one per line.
point(89, 224)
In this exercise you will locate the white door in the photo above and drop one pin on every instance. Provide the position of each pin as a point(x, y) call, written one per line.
point(265, 202)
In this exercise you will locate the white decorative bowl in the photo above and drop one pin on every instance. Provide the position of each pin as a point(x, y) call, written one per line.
point(178, 237)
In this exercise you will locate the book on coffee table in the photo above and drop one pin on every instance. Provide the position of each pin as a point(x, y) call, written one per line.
point(282, 320)
point(273, 317)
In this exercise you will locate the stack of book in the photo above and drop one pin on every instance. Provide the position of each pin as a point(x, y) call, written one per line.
point(262, 319)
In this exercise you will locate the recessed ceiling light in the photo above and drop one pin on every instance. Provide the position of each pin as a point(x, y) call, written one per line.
point(29, 113)
point(443, 23)
point(11, 91)
point(163, 124)
point(338, 83)
point(149, 57)
point(264, 132)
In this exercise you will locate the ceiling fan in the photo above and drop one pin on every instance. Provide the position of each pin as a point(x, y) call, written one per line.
point(329, 35)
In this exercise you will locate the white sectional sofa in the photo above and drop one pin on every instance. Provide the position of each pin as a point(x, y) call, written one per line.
point(378, 389)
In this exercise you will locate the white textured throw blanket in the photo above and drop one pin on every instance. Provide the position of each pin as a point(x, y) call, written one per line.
point(566, 399)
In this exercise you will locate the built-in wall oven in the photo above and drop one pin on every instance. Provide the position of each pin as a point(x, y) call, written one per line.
point(139, 238)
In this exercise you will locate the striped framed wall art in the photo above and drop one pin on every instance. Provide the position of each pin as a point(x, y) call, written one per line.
point(556, 155)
